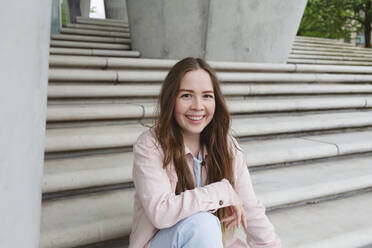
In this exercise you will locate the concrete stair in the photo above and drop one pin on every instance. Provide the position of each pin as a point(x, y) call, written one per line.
point(309, 50)
point(306, 131)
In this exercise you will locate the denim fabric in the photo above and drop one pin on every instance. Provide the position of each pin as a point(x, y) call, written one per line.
point(200, 230)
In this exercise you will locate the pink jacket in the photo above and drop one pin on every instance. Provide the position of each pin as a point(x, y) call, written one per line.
point(156, 206)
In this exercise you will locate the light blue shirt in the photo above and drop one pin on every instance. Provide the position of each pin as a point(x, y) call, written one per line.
point(197, 163)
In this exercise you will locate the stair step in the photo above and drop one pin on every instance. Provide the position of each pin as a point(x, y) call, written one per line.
point(97, 27)
point(76, 44)
point(101, 22)
point(328, 62)
point(79, 90)
point(70, 139)
point(87, 171)
point(330, 49)
point(107, 169)
point(309, 38)
point(158, 76)
point(315, 46)
point(151, 64)
point(338, 58)
point(139, 110)
point(86, 219)
point(93, 32)
point(106, 20)
point(339, 54)
point(290, 185)
point(102, 207)
point(338, 223)
point(90, 38)
point(322, 42)
point(93, 52)
point(101, 137)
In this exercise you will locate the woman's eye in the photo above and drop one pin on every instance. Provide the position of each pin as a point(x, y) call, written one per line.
point(186, 95)
point(209, 96)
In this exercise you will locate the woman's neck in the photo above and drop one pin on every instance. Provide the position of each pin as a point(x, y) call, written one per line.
point(192, 141)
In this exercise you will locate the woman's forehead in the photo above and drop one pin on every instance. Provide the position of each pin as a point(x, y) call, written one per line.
point(197, 80)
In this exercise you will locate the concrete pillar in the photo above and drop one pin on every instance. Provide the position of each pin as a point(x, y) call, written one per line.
point(85, 8)
point(235, 30)
point(24, 49)
point(54, 27)
point(73, 10)
point(116, 9)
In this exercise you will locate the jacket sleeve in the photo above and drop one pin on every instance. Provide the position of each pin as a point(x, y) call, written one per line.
point(162, 206)
point(260, 232)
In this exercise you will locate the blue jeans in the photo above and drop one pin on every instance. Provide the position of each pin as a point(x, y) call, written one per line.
point(200, 230)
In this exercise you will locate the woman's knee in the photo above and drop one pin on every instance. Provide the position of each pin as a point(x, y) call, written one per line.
point(202, 223)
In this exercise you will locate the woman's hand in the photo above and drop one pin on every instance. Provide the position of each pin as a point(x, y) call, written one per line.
point(236, 214)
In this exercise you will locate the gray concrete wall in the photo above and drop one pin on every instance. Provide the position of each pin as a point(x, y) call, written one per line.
point(236, 30)
point(85, 8)
point(116, 9)
point(24, 49)
point(73, 10)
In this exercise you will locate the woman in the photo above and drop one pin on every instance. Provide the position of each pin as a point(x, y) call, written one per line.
point(192, 183)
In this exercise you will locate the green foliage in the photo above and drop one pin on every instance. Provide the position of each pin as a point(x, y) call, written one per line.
point(64, 13)
point(334, 18)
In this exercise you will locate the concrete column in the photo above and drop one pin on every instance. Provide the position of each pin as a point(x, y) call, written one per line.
point(54, 27)
point(24, 49)
point(85, 8)
point(73, 10)
point(116, 9)
point(235, 30)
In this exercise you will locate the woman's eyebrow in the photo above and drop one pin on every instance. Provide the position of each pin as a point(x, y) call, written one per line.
point(187, 90)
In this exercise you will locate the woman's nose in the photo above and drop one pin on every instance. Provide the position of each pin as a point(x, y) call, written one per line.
point(197, 104)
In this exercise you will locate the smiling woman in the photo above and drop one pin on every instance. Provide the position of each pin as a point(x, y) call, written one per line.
point(192, 183)
point(194, 107)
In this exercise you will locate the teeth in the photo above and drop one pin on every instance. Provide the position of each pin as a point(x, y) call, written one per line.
point(195, 118)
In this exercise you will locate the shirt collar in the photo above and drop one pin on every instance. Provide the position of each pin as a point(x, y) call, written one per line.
point(187, 151)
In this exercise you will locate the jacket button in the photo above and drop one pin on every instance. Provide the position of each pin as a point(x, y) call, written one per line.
point(221, 203)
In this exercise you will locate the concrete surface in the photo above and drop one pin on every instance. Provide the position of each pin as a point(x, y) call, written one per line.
point(89, 38)
point(255, 31)
point(116, 9)
point(89, 171)
point(97, 45)
point(93, 52)
point(97, 27)
point(23, 95)
point(93, 32)
point(64, 224)
point(337, 223)
point(85, 8)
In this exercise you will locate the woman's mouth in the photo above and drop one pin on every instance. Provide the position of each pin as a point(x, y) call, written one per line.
point(195, 117)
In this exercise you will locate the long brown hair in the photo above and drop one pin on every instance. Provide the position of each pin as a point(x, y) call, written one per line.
point(213, 137)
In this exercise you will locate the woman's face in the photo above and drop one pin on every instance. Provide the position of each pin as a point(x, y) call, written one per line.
point(195, 103)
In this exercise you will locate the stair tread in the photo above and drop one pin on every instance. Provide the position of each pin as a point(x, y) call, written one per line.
point(62, 43)
point(133, 75)
point(83, 52)
point(139, 109)
point(84, 90)
point(337, 223)
point(86, 38)
point(99, 210)
point(108, 136)
point(72, 173)
point(94, 32)
point(97, 27)
point(141, 63)
point(312, 180)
